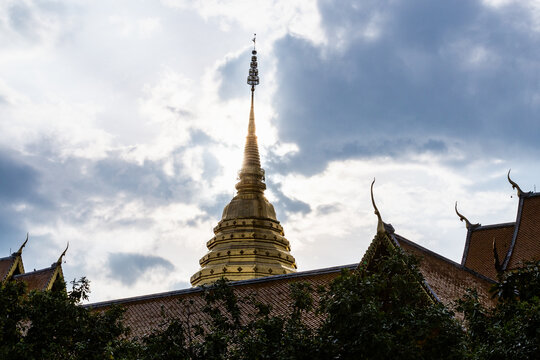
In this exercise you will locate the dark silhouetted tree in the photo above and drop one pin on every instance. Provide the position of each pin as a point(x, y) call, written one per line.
point(510, 330)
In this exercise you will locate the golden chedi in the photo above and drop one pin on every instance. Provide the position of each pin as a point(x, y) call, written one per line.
point(249, 242)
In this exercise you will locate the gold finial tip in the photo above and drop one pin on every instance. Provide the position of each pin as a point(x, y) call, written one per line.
point(253, 77)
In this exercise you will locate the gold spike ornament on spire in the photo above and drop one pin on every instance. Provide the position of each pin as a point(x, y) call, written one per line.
point(249, 241)
point(252, 175)
point(253, 77)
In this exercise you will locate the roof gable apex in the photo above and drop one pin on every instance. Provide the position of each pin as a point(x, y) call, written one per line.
point(387, 241)
point(10, 266)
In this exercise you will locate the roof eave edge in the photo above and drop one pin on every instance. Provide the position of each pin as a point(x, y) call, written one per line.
point(516, 230)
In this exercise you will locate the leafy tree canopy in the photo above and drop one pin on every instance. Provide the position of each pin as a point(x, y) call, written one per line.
point(379, 311)
point(52, 325)
point(510, 330)
point(374, 313)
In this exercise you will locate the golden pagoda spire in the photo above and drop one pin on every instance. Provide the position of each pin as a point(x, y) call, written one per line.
point(252, 160)
point(249, 241)
point(251, 175)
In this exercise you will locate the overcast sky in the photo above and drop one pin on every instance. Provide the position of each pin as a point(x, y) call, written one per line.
point(122, 125)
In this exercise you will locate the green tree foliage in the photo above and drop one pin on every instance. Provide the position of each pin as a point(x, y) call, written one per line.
point(382, 312)
point(230, 333)
point(510, 330)
point(280, 336)
point(11, 314)
point(169, 341)
point(52, 325)
point(378, 312)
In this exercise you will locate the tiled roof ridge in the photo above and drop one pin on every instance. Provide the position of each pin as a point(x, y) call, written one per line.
point(529, 194)
point(480, 228)
point(35, 272)
point(53, 269)
point(7, 257)
point(451, 262)
point(235, 283)
point(494, 226)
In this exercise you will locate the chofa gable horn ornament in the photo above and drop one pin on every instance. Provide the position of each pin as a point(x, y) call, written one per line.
point(23, 245)
point(468, 224)
point(63, 254)
point(513, 183)
point(380, 224)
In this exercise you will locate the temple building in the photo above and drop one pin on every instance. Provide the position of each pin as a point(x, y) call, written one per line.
point(249, 249)
point(248, 241)
point(51, 278)
point(488, 249)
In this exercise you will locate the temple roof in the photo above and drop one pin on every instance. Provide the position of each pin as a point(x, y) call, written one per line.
point(444, 280)
point(525, 244)
point(6, 266)
point(478, 252)
point(11, 268)
point(509, 244)
point(13, 264)
point(447, 279)
point(143, 313)
point(42, 279)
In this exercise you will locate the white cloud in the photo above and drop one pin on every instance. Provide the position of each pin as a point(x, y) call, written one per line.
point(121, 225)
point(271, 19)
point(144, 28)
point(26, 23)
point(73, 126)
point(138, 82)
point(416, 197)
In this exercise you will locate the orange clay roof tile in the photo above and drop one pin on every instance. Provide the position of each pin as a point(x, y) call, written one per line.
point(5, 266)
point(144, 314)
point(448, 280)
point(526, 241)
point(37, 280)
point(478, 253)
